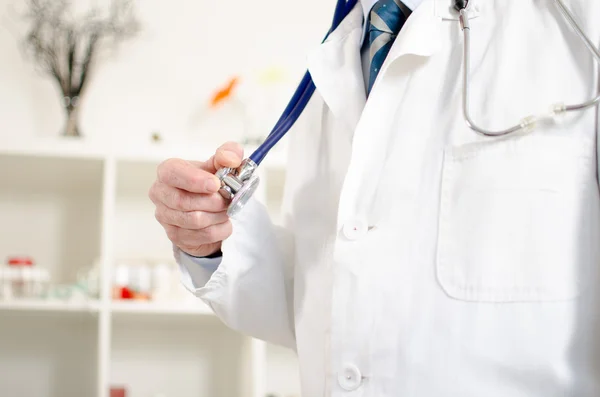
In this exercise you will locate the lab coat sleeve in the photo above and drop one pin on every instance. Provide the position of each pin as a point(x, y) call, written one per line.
point(250, 289)
point(195, 271)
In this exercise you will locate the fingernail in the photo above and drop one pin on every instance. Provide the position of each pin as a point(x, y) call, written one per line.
point(212, 185)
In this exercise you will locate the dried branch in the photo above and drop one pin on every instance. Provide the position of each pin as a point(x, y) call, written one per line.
point(89, 53)
point(65, 47)
point(71, 48)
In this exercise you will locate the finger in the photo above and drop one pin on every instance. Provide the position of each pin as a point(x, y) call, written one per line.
point(228, 155)
point(192, 220)
point(182, 200)
point(184, 175)
point(193, 239)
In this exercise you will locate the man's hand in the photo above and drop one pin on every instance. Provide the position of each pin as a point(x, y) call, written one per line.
point(188, 204)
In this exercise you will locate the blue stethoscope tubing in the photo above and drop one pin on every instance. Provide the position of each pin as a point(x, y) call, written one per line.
point(301, 96)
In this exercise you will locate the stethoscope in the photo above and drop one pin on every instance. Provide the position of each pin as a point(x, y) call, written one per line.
point(238, 185)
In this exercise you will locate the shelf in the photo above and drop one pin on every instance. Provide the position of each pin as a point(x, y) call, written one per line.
point(32, 174)
point(182, 360)
point(53, 147)
point(85, 149)
point(198, 308)
point(158, 152)
point(50, 306)
point(175, 308)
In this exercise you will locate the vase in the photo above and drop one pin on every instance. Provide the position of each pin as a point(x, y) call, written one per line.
point(71, 105)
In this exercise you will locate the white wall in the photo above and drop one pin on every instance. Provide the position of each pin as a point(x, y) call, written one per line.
point(160, 81)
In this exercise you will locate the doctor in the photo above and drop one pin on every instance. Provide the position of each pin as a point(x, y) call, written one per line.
point(418, 258)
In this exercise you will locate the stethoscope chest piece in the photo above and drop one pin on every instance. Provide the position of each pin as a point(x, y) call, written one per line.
point(238, 185)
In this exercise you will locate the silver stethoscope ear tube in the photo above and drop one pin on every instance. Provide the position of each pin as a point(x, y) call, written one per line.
point(528, 123)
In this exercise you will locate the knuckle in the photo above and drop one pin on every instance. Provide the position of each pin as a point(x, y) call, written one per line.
point(210, 233)
point(228, 229)
point(217, 202)
point(196, 219)
point(172, 233)
point(172, 172)
point(158, 215)
point(152, 192)
point(171, 162)
point(170, 217)
point(165, 176)
point(216, 233)
point(165, 169)
point(186, 201)
point(178, 218)
point(176, 200)
point(173, 217)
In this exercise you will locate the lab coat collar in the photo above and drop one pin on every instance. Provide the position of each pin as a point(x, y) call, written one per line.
point(336, 69)
point(336, 66)
point(421, 34)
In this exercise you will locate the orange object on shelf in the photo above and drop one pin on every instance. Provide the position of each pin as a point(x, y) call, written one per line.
point(222, 94)
point(123, 293)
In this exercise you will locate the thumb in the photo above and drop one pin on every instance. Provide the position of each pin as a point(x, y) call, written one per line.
point(229, 155)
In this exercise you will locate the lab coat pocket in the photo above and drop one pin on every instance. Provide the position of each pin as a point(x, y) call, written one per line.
point(515, 219)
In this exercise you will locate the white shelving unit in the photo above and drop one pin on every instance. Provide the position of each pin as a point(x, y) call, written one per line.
point(70, 204)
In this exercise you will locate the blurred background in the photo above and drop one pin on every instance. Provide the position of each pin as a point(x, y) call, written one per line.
point(93, 96)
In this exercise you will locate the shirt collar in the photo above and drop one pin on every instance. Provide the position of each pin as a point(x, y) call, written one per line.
point(368, 4)
point(366, 7)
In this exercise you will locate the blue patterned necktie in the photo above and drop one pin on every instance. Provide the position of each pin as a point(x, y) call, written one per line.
point(385, 21)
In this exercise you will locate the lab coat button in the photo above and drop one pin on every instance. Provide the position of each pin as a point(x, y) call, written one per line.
point(350, 378)
point(354, 230)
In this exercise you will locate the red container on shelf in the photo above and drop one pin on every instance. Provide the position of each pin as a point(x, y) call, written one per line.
point(118, 392)
point(20, 261)
point(22, 277)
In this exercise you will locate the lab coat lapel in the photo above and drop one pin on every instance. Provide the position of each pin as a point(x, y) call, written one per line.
point(336, 66)
point(336, 69)
point(422, 34)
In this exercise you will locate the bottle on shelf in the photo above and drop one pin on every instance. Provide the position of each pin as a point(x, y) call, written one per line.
point(145, 280)
point(22, 276)
point(22, 279)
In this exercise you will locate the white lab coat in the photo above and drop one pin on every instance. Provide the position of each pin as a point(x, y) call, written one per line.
point(417, 258)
